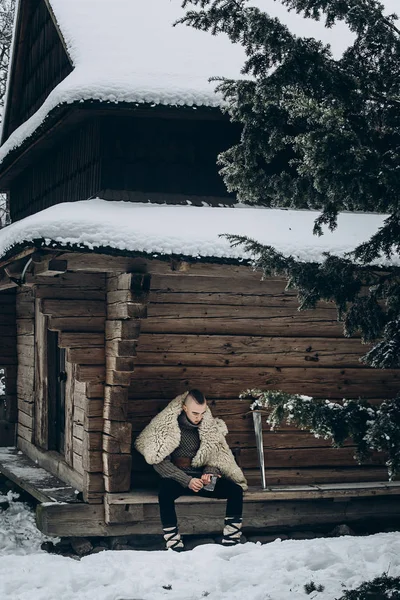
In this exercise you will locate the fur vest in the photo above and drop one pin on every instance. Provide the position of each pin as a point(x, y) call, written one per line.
point(163, 435)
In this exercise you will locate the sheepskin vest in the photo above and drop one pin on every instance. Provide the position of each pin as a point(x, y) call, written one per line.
point(163, 435)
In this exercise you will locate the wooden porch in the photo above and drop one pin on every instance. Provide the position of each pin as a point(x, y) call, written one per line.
point(61, 512)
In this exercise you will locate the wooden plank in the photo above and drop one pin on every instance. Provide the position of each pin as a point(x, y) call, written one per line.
point(25, 433)
point(80, 340)
point(70, 293)
point(196, 518)
point(296, 492)
point(258, 313)
point(205, 284)
point(40, 484)
point(127, 513)
point(301, 325)
point(318, 475)
point(77, 324)
point(24, 327)
point(90, 373)
point(158, 382)
point(326, 351)
point(69, 280)
point(303, 457)
point(87, 356)
point(52, 462)
point(73, 308)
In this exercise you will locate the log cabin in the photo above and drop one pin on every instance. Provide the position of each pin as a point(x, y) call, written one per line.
point(117, 292)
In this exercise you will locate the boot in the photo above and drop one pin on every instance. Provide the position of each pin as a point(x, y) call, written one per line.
point(173, 539)
point(232, 531)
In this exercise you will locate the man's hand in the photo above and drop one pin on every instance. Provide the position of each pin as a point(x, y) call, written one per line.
point(206, 478)
point(195, 484)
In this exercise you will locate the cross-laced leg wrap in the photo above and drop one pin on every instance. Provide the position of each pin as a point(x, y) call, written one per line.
point(173, 539)
point(232, 531)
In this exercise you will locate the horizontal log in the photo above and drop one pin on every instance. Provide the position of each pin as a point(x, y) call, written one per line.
point(91, 373)
point(71, 280)
point(134, 282)
point(205, 284)
point(277, 298)
point(211, 311)
point(70, 293)
point(80, 340)
point(72, 308)
point(77, 324)
point(86, 520)
point(94, 390)
point(299, 325)
point(161, 381)
point(304, 457)
point(87, 356)
point(116, 403)
point(120, 363)
point(92, 484)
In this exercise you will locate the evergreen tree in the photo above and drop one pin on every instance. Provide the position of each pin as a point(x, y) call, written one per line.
point(320, 133)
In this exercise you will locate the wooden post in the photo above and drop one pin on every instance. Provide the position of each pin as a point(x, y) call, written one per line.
point(127, 297)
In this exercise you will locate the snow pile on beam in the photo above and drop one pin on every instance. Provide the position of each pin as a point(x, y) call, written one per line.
point(187, 230)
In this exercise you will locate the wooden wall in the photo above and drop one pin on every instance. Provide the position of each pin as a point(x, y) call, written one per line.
point(135, 158)
point(41, 63)
point(73, 305)
point(228, 331)
point(8, 362)
point(67, 173)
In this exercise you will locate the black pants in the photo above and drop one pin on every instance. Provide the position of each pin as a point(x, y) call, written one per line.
point(170, 490)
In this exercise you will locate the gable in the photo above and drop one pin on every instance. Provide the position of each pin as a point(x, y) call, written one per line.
point(38, 64)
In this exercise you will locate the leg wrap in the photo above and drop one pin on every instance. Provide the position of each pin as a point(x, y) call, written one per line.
point(173, 539)
point(232, 531)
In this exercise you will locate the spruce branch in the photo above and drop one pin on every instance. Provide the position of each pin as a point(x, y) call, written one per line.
point(372, 428)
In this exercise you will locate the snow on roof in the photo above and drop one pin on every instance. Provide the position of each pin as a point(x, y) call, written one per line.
point(128, 51)
point(187, 230)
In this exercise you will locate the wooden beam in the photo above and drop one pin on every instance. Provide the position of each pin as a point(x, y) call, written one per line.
point(51, 268)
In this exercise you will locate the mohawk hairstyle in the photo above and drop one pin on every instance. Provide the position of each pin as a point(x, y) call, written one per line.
point(197, 396)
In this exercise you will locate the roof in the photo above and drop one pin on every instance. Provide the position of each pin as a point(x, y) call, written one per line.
point(129, 51)
point(186, 231)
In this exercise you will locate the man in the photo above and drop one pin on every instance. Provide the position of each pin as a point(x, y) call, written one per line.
point(186, 446)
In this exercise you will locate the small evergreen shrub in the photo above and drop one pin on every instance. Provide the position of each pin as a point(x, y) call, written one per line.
point(311, 587)
point(380, 588)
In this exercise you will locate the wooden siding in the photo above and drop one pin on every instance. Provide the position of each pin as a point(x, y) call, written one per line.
point(164, 159)
point(8, 362)
point(66, 173)
point(41, 63)
point(73, 305)
point(129, 158)
point(225, 334)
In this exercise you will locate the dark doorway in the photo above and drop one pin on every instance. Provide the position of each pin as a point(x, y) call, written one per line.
point(56, 390)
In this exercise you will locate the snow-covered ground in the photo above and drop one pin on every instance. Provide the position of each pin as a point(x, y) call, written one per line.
point(276, 571)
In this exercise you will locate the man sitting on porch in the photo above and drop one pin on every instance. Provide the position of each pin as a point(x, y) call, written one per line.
point(186, 446)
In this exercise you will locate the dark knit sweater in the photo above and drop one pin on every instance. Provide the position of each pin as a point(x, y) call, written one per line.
point(188, 447)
